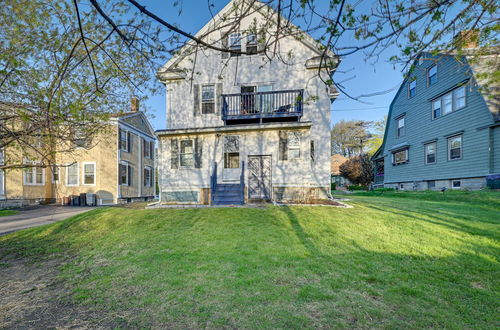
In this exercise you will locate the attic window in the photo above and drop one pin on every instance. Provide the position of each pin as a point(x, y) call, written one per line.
point(252, 43)
point(235, 43)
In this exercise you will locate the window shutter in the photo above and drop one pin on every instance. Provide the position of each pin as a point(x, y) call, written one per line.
point(152, 150)
point(225, 44)
point(283, 145)
point(129, 142)
point(119, 138)
point(174, 154)
point(144, 145)
point(218, 97)
point(196, 99)
point(145, 178)
point(130, 175)
point(198, 153)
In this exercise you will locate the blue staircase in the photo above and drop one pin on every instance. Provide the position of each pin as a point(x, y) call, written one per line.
point(227, 193)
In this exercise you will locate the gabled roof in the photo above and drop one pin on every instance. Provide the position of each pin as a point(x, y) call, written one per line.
point(129, 117)
point(307, 40)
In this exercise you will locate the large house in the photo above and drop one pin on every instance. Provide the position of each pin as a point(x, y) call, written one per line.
point(118, 166)
point(443, 128)
point(242, 127)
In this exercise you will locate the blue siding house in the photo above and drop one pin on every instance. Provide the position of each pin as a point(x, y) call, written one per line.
point(443, 127)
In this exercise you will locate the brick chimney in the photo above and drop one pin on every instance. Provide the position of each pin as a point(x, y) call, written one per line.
point(467, 39)
point(134, 103)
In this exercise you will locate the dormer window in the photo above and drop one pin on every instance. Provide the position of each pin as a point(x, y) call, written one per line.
point(412, 88)
point(235, 43)
point(432, 75)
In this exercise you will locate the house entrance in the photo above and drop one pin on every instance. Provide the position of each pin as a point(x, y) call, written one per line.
point(259, 177)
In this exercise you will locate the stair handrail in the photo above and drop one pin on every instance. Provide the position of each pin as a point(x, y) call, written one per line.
point(242, 181)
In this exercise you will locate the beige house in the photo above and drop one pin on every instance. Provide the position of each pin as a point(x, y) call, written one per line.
point(243, 128)
point(118, 167)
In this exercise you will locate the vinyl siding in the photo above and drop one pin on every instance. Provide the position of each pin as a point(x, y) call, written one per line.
point(496, 149)
point(420, 127)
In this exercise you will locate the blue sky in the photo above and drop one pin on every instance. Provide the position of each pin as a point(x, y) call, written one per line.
point(356, 75)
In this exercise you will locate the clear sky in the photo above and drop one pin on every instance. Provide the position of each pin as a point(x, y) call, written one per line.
point(357, 76)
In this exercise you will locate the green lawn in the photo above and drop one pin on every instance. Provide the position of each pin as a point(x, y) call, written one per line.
point(4, 213)
point(393, 261)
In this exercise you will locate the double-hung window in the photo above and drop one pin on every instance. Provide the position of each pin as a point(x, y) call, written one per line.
point(432, 75)
point(55, 173)
point(293, 145)
point(123, 173)
point(34, 175)
point(231, 151)
point(186, 154)
point(449, 102)
point(124, 140)
point(148, 176)
point(251, 43)
point(72, 177)
point(430, 153)
point(207, 99)
point(400, 157)
point(412, 88)
point(235, 43)
point(148, 148)
point(455, 147)
point(400, 126)
point(89, 173)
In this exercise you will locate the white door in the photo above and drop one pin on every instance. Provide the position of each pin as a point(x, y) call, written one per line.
point(231, 168)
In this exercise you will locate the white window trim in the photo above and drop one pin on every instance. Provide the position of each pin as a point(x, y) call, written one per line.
point(289, 147)
point(127, 175)
point(435, 153)
point(58, 174)
point(453, 103)
point(407, 157)
point(35, 171)
point(461, 147)
point(181, 153)
point(83, 173)
point(398, 119)
point(409, 84)
point(207, 102)
point(150, 169)
point(127, 133)
point(429, 76)
point(77, 173)
point(460, 187)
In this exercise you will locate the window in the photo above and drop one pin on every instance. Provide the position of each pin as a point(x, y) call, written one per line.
point(401, 186)
point(148, 148)
point(252, 43)
point(449, 102)
point(89, 170)
point(401, 127)
point(34, 175)
point(72, 177)
point(235, 43)
point(436, 108)
point(431, 184)
point(412, 88)
point(80, 138)
point(207, 99)
point(400, 157)
point(456, 184)
point(124, 140)
point(459, 98)
point(124, 173)
point(148, 176)
point(186, 154)
point(231, 151)
point(293, 145)
point(430, 153)
point(55, 173)
point(455, 147)
point(432, 75)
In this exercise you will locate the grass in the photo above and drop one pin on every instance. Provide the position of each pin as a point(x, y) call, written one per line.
point(395, 260)
point(4, 212)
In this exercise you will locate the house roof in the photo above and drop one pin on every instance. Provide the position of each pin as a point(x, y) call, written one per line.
point(306, 39)
point(335, 162)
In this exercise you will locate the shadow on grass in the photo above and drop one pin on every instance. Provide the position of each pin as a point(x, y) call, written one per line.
point(303, 237)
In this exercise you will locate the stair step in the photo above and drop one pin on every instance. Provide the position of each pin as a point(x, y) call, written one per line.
point(227, 203)
point(228, 193)
point(227, 198)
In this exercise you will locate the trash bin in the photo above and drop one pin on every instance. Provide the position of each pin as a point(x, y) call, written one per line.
point(83, 199)
point(493, 181)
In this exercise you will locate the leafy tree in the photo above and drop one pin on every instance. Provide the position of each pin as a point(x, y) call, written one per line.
point(349, 138)
point(63, 72)
point(377, 136)
point(358, 169)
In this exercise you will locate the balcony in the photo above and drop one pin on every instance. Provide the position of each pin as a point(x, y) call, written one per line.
point(262, 107)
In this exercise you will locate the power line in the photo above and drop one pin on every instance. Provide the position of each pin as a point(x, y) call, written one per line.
point(359, 109)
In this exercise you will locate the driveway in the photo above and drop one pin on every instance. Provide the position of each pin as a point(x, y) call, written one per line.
point(37, 216)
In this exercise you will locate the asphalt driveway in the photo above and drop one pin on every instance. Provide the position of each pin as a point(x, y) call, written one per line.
point(37, 216)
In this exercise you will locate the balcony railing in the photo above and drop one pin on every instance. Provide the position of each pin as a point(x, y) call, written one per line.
point(261, 105)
